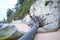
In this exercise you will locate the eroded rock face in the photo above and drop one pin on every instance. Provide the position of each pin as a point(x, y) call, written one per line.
point(48, 14)
point(49, 28)
point(27, 20)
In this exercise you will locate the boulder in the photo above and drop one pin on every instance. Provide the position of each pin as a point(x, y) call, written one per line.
point(48, 14)
point(49, 28)
point(9, 32)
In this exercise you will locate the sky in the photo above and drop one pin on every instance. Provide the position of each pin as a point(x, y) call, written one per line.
point(4, 5)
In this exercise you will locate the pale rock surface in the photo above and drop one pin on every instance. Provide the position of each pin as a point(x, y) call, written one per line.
point(23, 28)
point(27, 20)
point(7, 31)
point(50, 14)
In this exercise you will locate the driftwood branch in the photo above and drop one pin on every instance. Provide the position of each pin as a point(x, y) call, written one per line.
point(30, 34)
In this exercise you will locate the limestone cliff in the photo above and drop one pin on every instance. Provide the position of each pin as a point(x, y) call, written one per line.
point(48, 11)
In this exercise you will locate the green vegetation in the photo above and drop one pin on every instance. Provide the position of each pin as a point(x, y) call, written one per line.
point(4, 37)
point(47, 2)
point(15, 37)
point(22, 8)
point(7, 37)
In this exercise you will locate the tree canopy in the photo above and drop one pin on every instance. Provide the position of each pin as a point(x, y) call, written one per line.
point(21, 9)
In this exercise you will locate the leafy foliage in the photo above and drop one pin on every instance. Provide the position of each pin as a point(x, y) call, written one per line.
point(9, 12)
point(25, 7)
point(7, 37)
point(22, 8)
point(47, 2)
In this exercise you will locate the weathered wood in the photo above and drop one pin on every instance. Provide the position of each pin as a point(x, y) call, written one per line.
point(29, 35)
